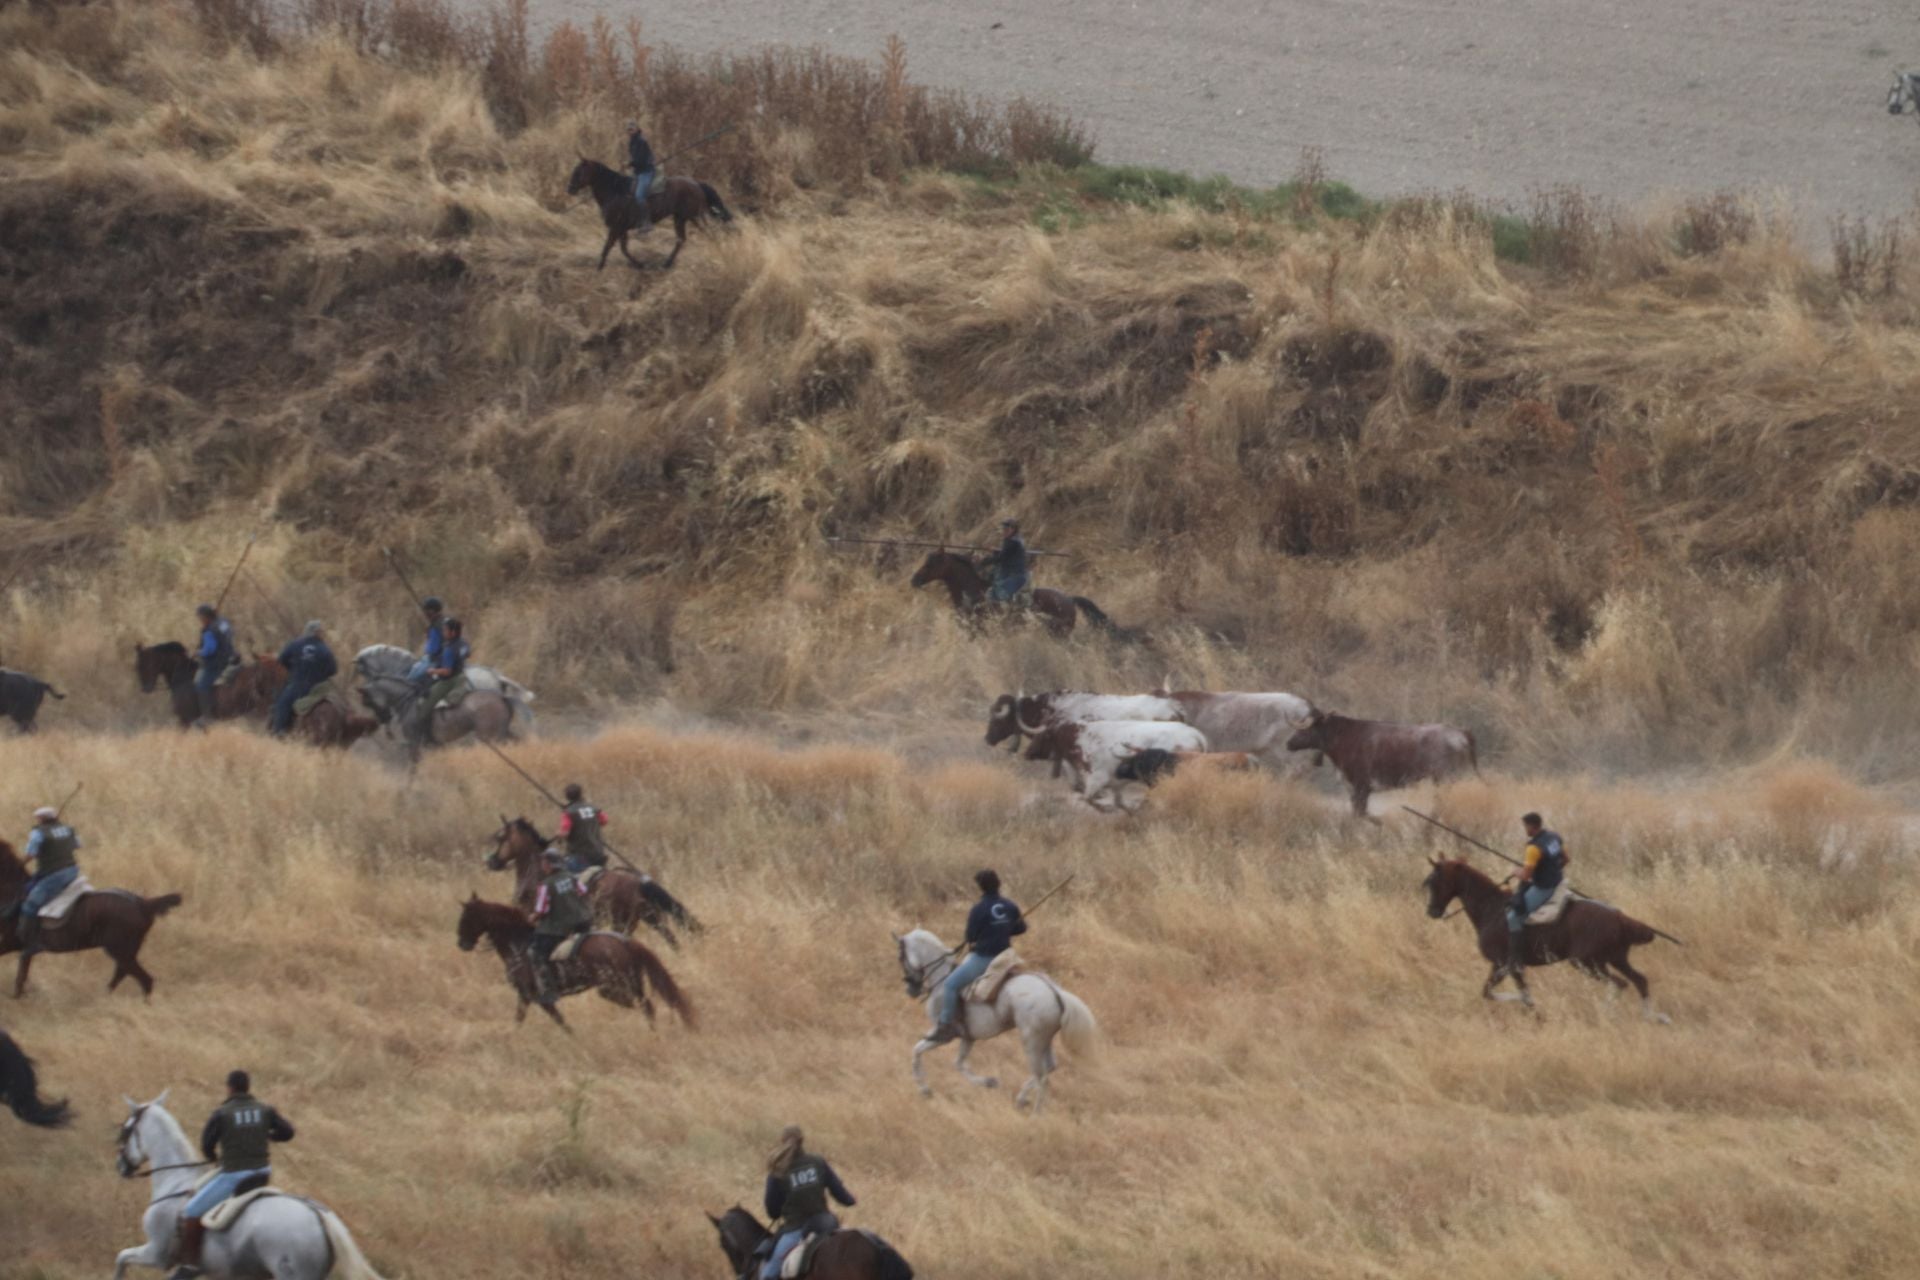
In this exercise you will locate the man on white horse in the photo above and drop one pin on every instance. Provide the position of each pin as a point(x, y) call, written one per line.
point(992, 926)
point(238, 1135)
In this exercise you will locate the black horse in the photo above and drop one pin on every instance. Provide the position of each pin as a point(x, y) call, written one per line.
point(21, 1089)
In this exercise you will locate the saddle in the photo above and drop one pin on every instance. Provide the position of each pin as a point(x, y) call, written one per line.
point(587, 876)
point(57, 908)
point(1550, 910)
point(228, 1211)
point(325, 691)
point(571, 947)
point(800, 1261)
point(987, 985)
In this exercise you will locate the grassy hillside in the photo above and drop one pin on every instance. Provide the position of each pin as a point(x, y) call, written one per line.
point(1298, 1075)
point(1644, 501)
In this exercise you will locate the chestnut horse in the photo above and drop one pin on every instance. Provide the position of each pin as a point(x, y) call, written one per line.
point(625, 899)
point(328, 726)
point(967, 587)
point(251, 690)
point(682, 199)
point(20, 1088)
point(1590, 934)
point(618, 968)
point(115, 920)
point(845, 1255)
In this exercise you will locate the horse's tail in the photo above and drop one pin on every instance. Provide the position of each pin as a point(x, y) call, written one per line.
point(348, 1262)
point(715, 205)
point(55, 692)
point(653, 891)
point(1098, 617)
point(22, 1088)
point(157, 907)
point(663, 983)
point(1077, 1026)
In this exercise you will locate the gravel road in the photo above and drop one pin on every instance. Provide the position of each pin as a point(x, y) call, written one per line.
point(1628, 97)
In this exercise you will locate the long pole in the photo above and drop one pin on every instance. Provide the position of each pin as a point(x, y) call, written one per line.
point(697, 142)
point(69, 800)
point(557, 803)
point(393, 563)
point(1487, 848)
point(941, 546)
point(278, 610)
point(1030, 910)
point(244, 553)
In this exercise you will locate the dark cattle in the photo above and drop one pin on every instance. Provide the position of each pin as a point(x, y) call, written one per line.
point(21, 695)
point(1378, 755)
point(1148, 767)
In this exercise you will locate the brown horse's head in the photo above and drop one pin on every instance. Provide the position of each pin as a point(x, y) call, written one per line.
point(163, 660)
point(1447, 880)
point(514, 844)
point(480, 919)
point(582, 176)
point(740, 1236)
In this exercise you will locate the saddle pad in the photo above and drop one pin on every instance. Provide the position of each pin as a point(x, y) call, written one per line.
point(1549, 911)
point(587, 877)
point(566, 950)
point(801, 1258)
point(458, 693)
point(228, 1212)
point(988, 984)
point(63, 902)
point(325, 691)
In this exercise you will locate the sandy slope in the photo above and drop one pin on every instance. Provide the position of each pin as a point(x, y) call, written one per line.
point(1628, 96)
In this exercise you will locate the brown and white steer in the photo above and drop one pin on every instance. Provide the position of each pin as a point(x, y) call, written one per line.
point(1095, 751)
point(1022, 715)
point(1378, 755)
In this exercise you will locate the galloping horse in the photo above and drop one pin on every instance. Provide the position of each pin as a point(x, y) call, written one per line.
point(114, 920)
point(968, 590)
point(624, 899)
point(682, 199)
point(1590, 934)
point(845, 1255)
point(618, 968)
point(326, 725)
point(283, 1236)
point(251, 690)
point(20, 1088)
point(1031, 1002)
point(492, 710)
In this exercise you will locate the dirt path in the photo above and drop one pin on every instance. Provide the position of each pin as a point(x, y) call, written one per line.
point(1631, 97)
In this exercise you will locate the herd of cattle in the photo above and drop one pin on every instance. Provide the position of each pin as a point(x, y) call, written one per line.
point(1108, 740)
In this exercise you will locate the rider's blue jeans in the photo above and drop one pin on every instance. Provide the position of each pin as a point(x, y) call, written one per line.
point(218, 1189)
point(959, 980)
point(1535, 899)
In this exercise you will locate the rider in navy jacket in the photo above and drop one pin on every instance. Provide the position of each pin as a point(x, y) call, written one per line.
point(992, 926)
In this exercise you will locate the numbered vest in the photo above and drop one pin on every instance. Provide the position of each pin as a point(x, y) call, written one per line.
point(583, 832)
point(244, 1128)
point(57, 846)
point(806, 1191)
point(1552, 867)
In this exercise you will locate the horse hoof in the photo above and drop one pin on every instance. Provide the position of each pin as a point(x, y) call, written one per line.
point(991, 1082)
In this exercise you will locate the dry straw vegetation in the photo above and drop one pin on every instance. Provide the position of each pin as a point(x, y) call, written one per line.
point(1624, 491)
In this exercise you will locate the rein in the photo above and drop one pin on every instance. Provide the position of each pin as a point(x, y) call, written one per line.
point(166, 1168)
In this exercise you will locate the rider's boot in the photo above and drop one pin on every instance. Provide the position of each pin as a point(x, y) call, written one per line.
point(544, 984)
point(206, 706)
point(187, 1251)
point(1516, 950)
point(946, 1032)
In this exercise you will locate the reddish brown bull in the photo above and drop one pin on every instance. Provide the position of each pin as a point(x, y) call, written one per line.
point(1378, 755)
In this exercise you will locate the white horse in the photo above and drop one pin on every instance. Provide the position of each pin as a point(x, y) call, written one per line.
point(496, 707)
point(277, 1238)
point(1031, 1002)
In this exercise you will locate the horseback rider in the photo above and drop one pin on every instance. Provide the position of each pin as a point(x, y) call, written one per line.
point(433, 607)
point(238, 1135)
point(1010, 565)
point(798, 1184)
point(992, 926)
point(50, 848)
point(1543, 867)
point(308, 661)
point(640, 160)
point(560, 910)
point(580, 825)
point(446, 673)
point(216, 655)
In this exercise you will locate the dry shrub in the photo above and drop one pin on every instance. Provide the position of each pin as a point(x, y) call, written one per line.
point(1567, 228)
point(977, 793)
point(1866, 256)
point(1708, 224)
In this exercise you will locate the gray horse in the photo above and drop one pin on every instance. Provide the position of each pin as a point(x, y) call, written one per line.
point(1905, 93)
point(277, 1238)
point(496, 708)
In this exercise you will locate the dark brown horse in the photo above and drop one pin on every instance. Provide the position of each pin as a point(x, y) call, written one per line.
point(1591, 935)
point(685, 200)
point(328, 726)
point(251, 690)
point(967, 588)
point(20, 1088)
point(114, 920)
point(845, 1255)
point(625, 899)
point(618, 968)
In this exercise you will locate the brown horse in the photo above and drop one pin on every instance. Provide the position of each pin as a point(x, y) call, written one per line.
point(328, 726)
point(967, 588)
point(251, 690)
point(618, 968)
point(845, 1255)
point(1590, 934)
point(114, 920)
point(625, 899)
point(684, 200)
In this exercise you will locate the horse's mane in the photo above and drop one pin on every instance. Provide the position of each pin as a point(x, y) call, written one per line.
point(170, 647)
point(523, 824)
point(1471, 874)
point(497, 915)
point(11, 867)
point(169, 1124)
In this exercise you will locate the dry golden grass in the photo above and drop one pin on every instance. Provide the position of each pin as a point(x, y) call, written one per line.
point(1297, 1077)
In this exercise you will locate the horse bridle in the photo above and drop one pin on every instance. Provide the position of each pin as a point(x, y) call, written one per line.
point(917, 974)
point(135, 1171)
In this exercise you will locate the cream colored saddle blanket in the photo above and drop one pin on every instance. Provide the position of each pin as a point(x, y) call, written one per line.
point(988, 984)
